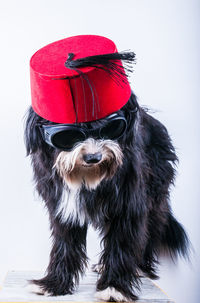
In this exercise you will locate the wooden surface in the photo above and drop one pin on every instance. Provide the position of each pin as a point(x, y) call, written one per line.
point(15, 289)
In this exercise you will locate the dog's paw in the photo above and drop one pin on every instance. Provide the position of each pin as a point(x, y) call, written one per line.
point(36, 289)
point(110, 294)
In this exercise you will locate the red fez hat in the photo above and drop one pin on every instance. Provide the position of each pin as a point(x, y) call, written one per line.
point(79, 79)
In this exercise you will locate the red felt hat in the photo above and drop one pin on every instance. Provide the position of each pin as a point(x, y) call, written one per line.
point(79, 79)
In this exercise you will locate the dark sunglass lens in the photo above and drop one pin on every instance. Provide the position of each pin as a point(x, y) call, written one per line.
point(66, 139)
point(113, 129)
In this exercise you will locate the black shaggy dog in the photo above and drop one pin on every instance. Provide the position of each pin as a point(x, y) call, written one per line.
point(123, 192)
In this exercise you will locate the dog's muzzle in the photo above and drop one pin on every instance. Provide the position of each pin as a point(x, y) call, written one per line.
point(89, 162)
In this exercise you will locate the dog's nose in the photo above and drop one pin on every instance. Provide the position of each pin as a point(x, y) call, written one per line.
point(92, 158)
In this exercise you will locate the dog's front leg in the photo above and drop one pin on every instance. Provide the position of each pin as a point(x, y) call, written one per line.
point(67, 261)
point(119, 261)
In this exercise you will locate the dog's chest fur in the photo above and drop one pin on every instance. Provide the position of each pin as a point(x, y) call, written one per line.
point(71, 207)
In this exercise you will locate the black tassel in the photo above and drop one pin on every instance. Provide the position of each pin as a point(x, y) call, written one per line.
point(106, 62)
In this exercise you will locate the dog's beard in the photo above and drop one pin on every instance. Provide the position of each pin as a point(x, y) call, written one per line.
point(76, 172)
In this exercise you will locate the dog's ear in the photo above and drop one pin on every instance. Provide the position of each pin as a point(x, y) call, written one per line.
point(131, 111)
point(32, 136)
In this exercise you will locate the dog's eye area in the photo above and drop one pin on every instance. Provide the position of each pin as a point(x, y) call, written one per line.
point(67, 138)
point(113, 129)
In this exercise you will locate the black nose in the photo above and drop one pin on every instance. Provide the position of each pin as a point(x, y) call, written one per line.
point(92, 158)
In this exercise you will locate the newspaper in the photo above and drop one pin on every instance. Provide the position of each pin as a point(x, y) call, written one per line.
point(17, 289)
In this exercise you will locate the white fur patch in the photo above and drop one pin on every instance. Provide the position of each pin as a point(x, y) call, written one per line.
point(93, 184)
point(70, 208)
point(33, 288)
point(111, 292)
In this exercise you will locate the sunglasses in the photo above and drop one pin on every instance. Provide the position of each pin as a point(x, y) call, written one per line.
point(65, 136)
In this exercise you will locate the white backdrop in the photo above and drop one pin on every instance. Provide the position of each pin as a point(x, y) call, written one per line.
point(165, 37)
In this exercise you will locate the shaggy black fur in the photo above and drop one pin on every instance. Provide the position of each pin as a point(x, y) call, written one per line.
point(131, 211)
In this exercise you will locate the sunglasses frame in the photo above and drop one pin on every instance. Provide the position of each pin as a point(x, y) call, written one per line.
point(48, 131)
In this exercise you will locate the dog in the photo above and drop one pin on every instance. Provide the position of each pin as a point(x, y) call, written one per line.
point(117, 177)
